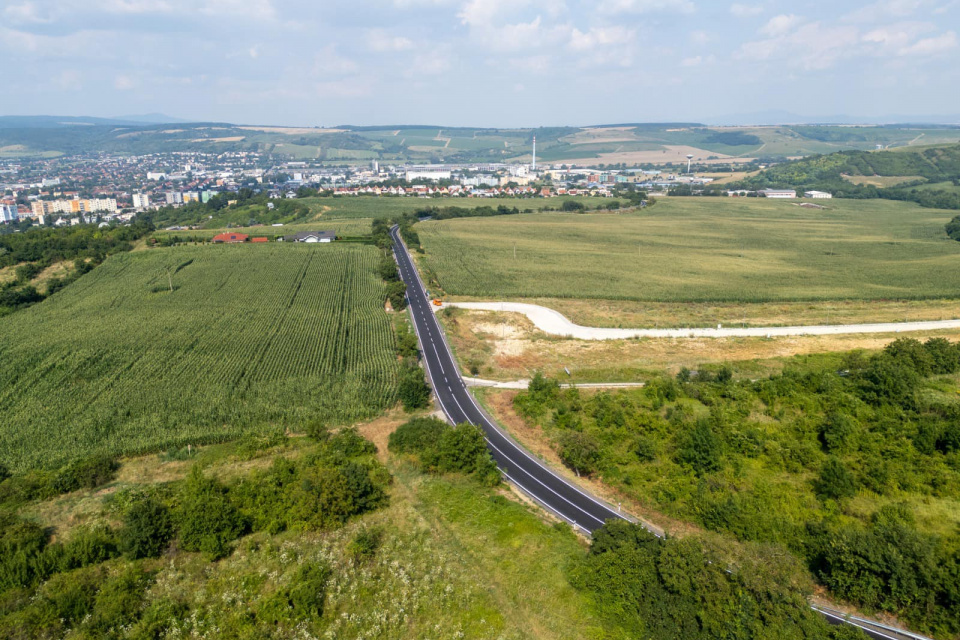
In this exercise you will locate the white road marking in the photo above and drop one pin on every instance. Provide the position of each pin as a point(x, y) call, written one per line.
point(575, 506)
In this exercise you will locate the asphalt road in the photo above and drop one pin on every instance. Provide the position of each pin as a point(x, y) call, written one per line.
point(518, 466)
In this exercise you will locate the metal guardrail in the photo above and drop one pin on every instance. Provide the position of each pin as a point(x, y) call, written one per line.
point(875, 629)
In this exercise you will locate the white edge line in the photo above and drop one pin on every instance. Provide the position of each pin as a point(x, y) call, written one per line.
point(493, 424)
point(538, 481)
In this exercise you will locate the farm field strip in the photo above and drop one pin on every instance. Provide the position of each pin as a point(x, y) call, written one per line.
point(251, 339)
point(701, 250)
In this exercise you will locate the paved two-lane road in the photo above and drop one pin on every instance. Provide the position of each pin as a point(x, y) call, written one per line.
point(520, 468)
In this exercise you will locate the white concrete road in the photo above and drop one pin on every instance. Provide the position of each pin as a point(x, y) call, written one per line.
point(524, 383)
point(555, 323)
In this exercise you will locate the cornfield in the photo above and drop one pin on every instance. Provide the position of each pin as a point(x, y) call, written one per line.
point(249, 339)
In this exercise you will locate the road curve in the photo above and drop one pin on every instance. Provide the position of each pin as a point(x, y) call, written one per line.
point(519, 467)
point(555, 323)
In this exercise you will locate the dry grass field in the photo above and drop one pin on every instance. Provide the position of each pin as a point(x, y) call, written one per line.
point(506, 346)
point(881, 181)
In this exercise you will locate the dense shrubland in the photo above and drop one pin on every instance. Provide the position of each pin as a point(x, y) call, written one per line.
point(852, 465)
point(682, 588)
point(95, 583)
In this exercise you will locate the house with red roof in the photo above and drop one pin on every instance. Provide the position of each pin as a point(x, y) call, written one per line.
point(230, 238)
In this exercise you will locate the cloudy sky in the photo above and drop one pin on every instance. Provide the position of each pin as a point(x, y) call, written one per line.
point(478, 62)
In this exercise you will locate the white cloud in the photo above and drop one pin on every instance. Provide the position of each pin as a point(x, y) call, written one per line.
point(431, 64)
point(695, 61)
point(483, 13)
point(745, 10)
point(380, 40)
point(819, 45)
point(124, 83)
point(811, 46)
point(68, 80)
point(896, 36)
point(779, 25)
point(931, 46)
point(645, 6)
point(327, 62)
point(886, 9)
point(600, 37)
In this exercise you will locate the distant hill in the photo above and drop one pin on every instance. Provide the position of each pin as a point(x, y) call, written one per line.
point(55, 122)
point(927, 175)
point(632, 144)
point(151, 118)
point(933, 164)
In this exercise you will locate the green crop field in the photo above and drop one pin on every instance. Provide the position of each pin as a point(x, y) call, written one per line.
point(386, 207)
point(253, 338)
point(702, 249)
point(343, 226)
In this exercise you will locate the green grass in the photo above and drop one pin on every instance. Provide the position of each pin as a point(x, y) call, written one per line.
point(939, 186)
point(386, 207)
point(252, 337)
point(702, 249)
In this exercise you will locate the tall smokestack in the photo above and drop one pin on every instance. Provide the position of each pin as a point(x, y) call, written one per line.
point(534, 153)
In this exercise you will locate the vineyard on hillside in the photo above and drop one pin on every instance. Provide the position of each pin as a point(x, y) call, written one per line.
point(250, 339)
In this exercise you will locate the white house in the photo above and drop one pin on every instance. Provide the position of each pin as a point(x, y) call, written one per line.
point(311, 236)
point(779, 193)
point(817, 194)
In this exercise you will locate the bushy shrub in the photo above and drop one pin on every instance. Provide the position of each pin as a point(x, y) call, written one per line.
point(414, 390)
point(119, 601)
point(417, 435)
point(208, 521)
point(702, 450)
point(147, 529)
point(89, 473)
point(444, 449)
point(579, 451)
point(366, 543)
point(835, 480)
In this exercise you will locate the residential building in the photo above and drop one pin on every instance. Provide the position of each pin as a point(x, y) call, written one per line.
point(230, 238)
point(8, 213)
point(311, 236)
point(41, 208)
point(174, 197)
point(141, 201)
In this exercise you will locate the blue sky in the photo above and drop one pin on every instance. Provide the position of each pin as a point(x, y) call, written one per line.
point(478, 62)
